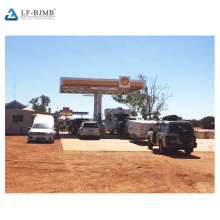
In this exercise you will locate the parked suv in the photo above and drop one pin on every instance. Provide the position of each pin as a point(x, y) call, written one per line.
point(175, 135)
point(76, 122)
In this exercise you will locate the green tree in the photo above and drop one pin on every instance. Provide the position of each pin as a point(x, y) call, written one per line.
point(149, 102)
point(39, 104)
point(207, 122)
point(153, 98)
point(131, 100)
point(194, 122)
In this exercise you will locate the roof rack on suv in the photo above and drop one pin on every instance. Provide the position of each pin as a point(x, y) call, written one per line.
point(171, 118)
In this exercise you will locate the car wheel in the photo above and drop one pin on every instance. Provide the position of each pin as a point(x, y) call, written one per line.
point(161, 148)
point(150, 145)
point(135, 139)
point(29, 140)
point(188, 151)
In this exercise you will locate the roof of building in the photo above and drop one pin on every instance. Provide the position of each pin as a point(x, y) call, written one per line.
point(28, 109)
point(14, 104)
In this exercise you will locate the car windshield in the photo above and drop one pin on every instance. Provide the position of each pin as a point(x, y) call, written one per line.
point(42, 126)
point(90, 125)
point(79, 122)
point(120, 117)
point(178, 128)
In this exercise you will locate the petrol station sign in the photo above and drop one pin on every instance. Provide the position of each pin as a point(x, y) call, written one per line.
point(124, 82)
point(66, 112)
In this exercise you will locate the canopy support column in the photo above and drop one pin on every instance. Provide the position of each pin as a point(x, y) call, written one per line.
point(95, 106)
point(99, 106)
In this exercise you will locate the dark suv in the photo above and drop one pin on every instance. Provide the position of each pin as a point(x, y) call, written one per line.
point(76, 122)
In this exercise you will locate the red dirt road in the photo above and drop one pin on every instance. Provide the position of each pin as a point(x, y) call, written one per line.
point(46, 168)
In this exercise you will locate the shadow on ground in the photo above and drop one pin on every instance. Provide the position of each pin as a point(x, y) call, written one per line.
point(176, 155)
point(106, 136)
point(140, 143)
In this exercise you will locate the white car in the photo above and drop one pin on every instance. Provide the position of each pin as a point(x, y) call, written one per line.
point(89, 129)
point(42, 129)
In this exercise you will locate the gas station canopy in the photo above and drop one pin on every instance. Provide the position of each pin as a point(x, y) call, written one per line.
point(98, 87)
point(122, 86)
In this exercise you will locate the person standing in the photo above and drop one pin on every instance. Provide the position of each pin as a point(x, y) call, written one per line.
point(70, 127)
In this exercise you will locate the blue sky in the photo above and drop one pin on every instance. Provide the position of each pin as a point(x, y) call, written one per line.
point(184, 63)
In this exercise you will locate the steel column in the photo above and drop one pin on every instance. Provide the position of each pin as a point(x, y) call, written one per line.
point(99, 106)
point(95, 106)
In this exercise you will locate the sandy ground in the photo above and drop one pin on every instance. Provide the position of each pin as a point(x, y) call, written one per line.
point(47, 168)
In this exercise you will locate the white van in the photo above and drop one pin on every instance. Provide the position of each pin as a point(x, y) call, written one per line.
point(42, 129)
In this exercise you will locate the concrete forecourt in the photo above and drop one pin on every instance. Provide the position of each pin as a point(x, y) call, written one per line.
point(109, 143)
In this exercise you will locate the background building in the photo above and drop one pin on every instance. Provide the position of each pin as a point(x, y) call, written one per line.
point(18, 118)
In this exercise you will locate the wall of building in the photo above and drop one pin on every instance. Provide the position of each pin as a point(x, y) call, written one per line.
point(20, 127)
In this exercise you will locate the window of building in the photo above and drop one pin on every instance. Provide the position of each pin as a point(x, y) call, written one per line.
point(17, 118)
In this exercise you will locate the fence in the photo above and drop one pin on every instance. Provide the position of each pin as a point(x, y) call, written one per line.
point(205, 134)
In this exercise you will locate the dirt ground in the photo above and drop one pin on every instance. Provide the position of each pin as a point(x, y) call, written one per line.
point(46, 168)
